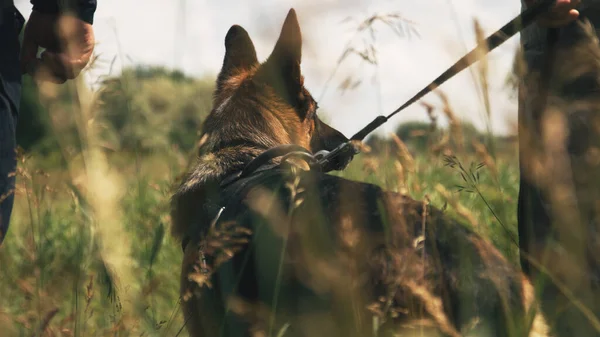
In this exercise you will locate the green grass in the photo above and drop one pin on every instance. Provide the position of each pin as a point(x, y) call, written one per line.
point(51, 258)
point(89, 251)
point(52, 262)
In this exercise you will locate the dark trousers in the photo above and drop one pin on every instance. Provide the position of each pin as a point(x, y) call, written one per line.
point(11, 23)
point(556, 239)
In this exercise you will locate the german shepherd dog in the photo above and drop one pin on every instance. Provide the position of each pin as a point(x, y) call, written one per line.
point(297, 252)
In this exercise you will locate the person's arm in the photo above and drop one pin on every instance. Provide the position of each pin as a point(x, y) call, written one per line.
point(83, 9)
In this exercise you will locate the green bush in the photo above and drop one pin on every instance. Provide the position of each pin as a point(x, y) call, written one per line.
point(150, 109)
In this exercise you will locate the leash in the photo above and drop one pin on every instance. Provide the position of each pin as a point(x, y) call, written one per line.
point(527, 17)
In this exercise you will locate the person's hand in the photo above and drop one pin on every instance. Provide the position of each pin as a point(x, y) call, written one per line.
point(69, 44)
point(563, 13)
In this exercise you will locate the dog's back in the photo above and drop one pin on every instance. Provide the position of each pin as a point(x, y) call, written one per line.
point(321, 249)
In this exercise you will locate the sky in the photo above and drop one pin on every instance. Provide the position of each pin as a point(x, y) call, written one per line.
point(189, 35)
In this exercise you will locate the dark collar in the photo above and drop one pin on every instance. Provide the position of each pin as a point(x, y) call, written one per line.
point(234, 186)
point(265, 161)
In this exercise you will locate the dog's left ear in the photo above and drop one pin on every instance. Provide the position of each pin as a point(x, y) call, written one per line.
point(240, 53)
point(282, 68)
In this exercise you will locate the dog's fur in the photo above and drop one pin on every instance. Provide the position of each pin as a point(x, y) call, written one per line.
point(352, 250)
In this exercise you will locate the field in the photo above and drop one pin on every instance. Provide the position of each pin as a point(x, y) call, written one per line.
point(89, 251)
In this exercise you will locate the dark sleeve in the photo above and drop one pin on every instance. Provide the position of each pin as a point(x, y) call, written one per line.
point(84, 9)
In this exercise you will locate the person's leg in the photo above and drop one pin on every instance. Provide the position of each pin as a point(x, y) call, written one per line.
point(11, 22)
point(552, 230)
point(533, 213)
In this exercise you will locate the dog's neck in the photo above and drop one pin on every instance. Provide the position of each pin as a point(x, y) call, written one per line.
point(202, 183)
point(218, 161)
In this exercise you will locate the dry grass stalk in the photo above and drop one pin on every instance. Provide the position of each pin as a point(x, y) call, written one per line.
point(44, 324)
point(404, 155)
point(433, 305)
point(402, 180)
point(486, 158)
point(367, 52)
point(101, 186)
point(483, 71)
point(562, 193)
point(361, 146)
point(269, 206)
point(568, 292)
point(218, 246)
point(256, 314)
point(408, 163)
point(104, 192)
point(455, 124)
point(371, 164)
point(458, 207)
point(442, 146)
point(433, 118)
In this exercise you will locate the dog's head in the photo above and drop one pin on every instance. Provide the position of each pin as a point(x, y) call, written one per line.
point(266, 104)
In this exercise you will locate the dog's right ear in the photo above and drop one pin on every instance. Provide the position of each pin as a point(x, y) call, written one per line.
point(240, 53)
point(282, 70)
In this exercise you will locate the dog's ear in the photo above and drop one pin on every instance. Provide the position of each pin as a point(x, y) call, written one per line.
point(282, 68)
point(240, 53)
point(288, 49)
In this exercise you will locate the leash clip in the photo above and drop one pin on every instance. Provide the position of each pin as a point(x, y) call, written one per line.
point(203, 264)
point(338, 158)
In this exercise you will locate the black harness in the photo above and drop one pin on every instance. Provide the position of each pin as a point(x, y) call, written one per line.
point(264, 167)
